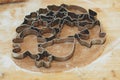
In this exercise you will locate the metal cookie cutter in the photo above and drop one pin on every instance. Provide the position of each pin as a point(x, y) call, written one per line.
point(52, 20)
point(44, 58)
point(31, 31)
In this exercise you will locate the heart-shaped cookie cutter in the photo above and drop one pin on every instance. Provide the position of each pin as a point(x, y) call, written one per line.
point(52, 19)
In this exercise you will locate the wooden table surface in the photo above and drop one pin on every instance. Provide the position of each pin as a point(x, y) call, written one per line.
point(106, 67)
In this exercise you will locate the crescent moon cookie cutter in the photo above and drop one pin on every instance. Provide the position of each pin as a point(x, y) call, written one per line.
point(52, 20)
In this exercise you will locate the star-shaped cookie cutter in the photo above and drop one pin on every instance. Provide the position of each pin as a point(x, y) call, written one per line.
point(52, 20)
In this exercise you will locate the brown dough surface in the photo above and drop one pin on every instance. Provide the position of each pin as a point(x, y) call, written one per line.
point(82, 55)
point(105, 67)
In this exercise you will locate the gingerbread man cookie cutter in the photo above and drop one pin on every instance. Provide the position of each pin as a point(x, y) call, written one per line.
point(52, 20)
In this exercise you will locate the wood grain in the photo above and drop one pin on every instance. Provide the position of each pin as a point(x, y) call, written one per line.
point(10, 1)
point(106, 67)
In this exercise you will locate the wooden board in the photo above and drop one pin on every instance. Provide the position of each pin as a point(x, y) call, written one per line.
point(9, 1)
point(105, 67)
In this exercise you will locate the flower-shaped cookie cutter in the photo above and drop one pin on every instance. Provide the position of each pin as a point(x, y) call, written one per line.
point(52, 20)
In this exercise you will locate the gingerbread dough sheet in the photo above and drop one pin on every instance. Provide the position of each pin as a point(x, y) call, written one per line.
point(101, 62)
